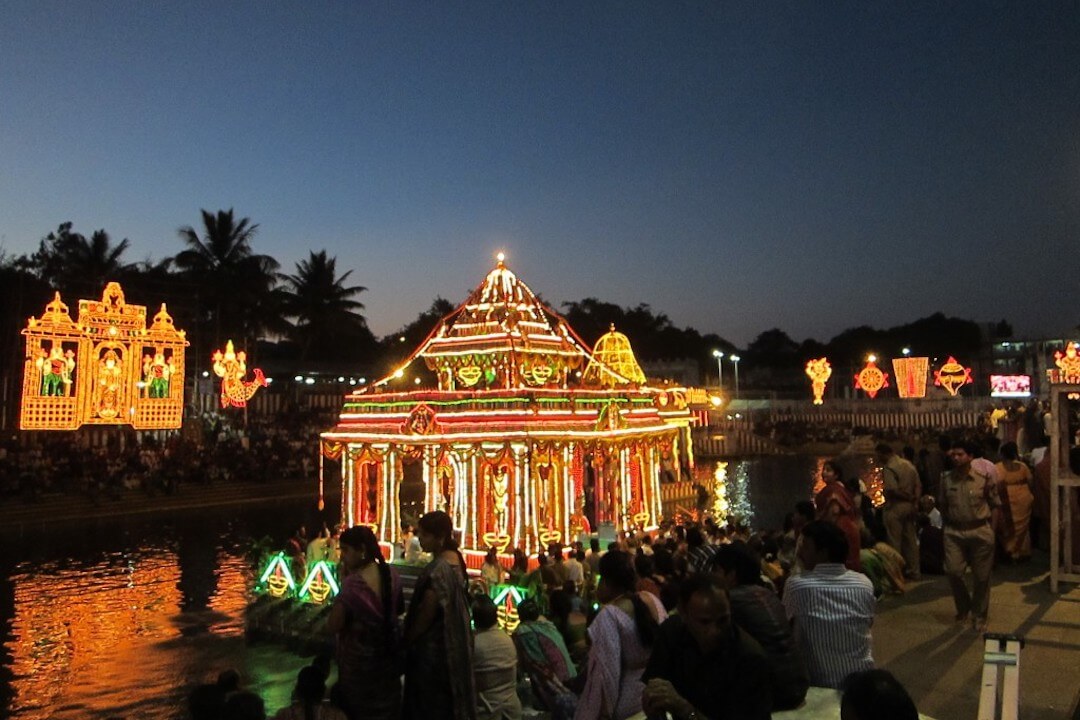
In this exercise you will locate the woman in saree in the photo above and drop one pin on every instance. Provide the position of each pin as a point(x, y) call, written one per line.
point(622, 636)
point(364, 618)
point(1015, 481)
point(835, 504)
point(438, 633)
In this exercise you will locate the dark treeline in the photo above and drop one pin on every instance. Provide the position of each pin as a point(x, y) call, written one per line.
point(218, 287)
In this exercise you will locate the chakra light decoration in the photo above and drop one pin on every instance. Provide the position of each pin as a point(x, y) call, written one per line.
point(231, 367)
point(107, 368)
point(952, 376)
point(910, 374)
point(1068, 363)
point(871, 379)
point(819, 371)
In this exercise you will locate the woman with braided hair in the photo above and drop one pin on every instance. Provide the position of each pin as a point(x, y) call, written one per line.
point(621, 638)
point(438, 634)
point(365, 620)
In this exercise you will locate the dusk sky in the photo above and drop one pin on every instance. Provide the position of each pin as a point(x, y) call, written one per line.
point(737, 166)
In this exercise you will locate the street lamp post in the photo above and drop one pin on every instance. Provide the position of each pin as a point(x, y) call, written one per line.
point(735, 359)
point(719, 355)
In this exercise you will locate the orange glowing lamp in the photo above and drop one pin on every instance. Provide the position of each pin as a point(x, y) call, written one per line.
point(1068, 363)
point(547, 536)
point(497, 540)
point(231, 367)
point(952, 376)
point(819, 371)
point(871, 379)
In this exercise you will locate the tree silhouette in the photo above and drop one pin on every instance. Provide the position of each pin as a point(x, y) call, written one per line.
point(234, 285)
point(327, 317)
point(79, 267)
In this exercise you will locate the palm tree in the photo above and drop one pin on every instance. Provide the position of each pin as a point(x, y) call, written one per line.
point(234, 285)
point(77, 267)
point(324, 307)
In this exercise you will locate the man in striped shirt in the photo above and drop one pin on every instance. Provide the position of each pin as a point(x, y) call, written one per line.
point(831, 608)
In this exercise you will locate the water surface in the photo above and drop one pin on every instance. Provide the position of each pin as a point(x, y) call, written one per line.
point(119, 618)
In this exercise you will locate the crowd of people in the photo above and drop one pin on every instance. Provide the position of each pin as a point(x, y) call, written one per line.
point(211, 450)
point(697, 620)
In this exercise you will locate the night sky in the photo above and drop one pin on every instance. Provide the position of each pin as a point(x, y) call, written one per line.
point(737, 166)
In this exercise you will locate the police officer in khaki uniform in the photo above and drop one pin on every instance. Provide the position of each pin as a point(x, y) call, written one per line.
point(967, 501)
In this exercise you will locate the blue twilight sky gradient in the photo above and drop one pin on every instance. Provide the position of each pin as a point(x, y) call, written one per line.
point(736, 165)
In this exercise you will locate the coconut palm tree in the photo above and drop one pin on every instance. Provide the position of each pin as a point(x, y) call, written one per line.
point(235, 286)
point(325, 309)
point(79, 267)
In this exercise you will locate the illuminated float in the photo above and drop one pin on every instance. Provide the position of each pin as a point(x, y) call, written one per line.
point(516, 429)
point(106, 368)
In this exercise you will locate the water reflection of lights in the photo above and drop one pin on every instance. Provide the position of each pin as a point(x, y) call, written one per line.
point(739, 494)
point(729, 484)
point(100, 638)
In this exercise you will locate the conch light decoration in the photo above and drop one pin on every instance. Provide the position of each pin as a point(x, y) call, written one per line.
point(871, 379)
point(231, 367)
point(910, 375)
point(819, 371)
point(106, 368)
point(952, 376)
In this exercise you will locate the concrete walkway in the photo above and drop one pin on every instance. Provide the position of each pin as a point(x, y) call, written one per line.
point(941, 664)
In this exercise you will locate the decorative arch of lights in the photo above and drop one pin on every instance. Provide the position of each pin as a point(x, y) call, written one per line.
point(106, 368)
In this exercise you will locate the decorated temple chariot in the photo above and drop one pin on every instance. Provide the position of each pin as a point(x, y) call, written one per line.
point(506, 419)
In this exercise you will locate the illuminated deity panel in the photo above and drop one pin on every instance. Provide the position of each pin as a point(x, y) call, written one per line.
point(819, 371)
point(108, 368)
